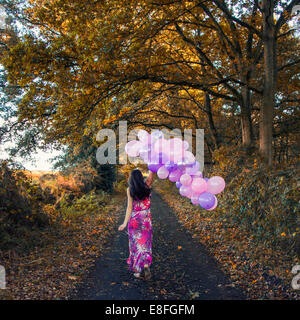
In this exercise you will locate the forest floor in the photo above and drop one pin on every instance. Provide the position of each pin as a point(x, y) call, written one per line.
point(88, 261)
point(66, 250)
point(261, 272)
point(182, 268)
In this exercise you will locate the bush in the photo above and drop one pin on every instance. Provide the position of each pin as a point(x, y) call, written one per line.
point(266, 205)
point(21, 216)
point(106, 177)
point(90, 203)
point(121, 186)
point(263, 202)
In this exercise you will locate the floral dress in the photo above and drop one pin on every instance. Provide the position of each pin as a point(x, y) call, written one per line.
point(140, 235)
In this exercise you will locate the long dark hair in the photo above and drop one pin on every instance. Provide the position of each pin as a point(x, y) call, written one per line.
point(138, 188)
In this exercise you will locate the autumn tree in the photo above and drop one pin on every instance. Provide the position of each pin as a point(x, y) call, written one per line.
point(97, 62)
point(269, 35)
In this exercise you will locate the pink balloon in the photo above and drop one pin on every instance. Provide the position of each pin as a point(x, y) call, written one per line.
point(185, 191)
point(189, 157)
point(176, 143)
point(199, 185)
point(177, 155)
point(161, 145)
point(162, 172)
point(195, 198)
point(132, 148)
point(198, 174)
point(155, 135)
point(215, 185)
point(145, 153)
point(175, 175)
point(189, 192)
point(143, 136)
point(215, 205)
point(185, 179)
point(129, 144)
point(176, 149)
point(185, 145)
point(167, 150)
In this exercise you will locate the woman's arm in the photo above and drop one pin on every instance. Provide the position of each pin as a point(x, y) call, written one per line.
point(150, 179)
point(128, 211)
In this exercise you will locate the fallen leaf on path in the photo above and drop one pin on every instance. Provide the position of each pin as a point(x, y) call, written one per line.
point(194, 295)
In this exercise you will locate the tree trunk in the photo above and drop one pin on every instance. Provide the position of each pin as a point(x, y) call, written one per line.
point(211, 125)
point(247, 129)
point(267, 108)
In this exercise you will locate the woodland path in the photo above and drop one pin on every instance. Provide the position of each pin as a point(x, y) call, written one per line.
point(182, 268)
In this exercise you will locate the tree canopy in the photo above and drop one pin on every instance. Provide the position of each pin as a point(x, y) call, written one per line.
point(174, 64)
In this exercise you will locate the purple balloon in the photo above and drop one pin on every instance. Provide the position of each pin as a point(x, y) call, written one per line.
point(149, 141)
point(175, 175)
point(171, 166)
point(154, 166)
point(215, 205)
point(206, 200)
point(193, 169)
point(181, 165)
point(178, 184)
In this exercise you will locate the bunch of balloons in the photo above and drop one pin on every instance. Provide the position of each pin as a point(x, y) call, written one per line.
point(170, 158)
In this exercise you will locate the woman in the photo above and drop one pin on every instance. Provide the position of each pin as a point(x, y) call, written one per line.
point(138, 217)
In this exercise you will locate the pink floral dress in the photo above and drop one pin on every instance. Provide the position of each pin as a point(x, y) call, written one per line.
point(140, 235)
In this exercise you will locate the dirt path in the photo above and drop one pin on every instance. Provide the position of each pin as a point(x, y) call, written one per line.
point(181, 269)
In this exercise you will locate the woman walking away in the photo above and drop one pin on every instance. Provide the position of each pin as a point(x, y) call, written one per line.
point(138, 217)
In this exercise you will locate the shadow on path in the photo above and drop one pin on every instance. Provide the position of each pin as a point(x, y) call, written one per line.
point(176, 274)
